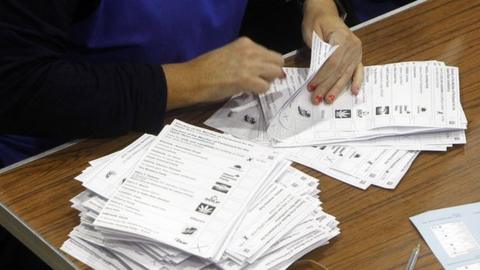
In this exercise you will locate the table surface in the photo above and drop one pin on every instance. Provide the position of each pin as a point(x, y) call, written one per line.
point(376, 231)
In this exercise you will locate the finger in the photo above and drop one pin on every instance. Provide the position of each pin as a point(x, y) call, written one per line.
point(275, 58)
point(329, 88)
point(270, 56)
point(307, 36)
point(319, 95)
point(357, 79)
point(338, 37)
point(327, 75)
point(334, 68)
point(257, 85)
point(319, 33)
point(339, 86)
point(254, 50)
point(270, 72)
point(331, 66)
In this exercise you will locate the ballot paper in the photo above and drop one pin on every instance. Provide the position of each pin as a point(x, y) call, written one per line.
point(453, 234)
point(359, 166)
point(190, 198)
point(376, 112)
point(237, 170)
point(113, 172)
point(394, 99)
point(284, 93)
point(368, 139)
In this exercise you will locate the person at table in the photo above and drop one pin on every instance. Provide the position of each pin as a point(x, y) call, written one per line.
point(74, 68)
point(103, 68)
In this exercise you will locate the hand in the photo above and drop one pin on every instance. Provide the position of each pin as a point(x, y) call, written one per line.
point(345, 64)
point(239, 66)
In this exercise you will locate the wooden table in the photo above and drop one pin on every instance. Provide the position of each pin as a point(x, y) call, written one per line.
point(376, 231)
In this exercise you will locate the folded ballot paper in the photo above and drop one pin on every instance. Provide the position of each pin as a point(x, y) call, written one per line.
point(363, 140)
point(191, 198)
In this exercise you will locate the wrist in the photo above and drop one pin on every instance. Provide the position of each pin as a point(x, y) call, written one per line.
point(181, 83)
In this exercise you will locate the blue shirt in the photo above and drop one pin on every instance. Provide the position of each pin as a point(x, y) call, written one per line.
point(157, 31)
point(141, 31)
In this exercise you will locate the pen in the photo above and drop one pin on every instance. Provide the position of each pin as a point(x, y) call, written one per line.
point(413, 258)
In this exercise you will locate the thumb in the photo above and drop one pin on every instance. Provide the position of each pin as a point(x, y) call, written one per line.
point(333, 39)
point(307, 36)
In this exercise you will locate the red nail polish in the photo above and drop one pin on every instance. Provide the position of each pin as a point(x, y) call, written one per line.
point(284, 75)
point(312, 87)
point(331, 98)
point(318, 99)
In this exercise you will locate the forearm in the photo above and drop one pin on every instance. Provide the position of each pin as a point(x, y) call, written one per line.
point(241, 65)
point(183, 84)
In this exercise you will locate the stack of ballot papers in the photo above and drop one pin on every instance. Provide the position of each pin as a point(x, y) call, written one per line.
point(368, 139)
point(191, 198)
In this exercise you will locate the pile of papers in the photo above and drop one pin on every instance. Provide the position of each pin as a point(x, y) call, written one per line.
point(368, 139)
point(191, 198)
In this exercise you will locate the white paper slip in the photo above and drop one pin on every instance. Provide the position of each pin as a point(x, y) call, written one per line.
point(436, 141)
point(194, 191)
point(323, 160)
point(473, 266)
point(281, 90)
point(189, 188)
point(106, 179)
point(241, 117)
point(280, 210)
point(400, 98)
point(383, 167)
point(102, 160)
point(453, 234)
point(93, 256)
point(290, 112)
point(308, 156)
point(298, 182)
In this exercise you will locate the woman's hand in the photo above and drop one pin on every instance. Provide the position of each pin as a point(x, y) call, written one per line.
point(239, 66)
point(345, 64)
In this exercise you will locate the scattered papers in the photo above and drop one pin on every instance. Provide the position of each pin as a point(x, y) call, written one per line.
point(453, 234)
point(363, 140)
point(191, 198)
point(359, 166)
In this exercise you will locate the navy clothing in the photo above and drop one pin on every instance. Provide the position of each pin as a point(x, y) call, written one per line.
point(79, 68)
point(14, 148)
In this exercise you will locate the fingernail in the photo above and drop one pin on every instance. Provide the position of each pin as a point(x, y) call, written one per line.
point(284, 75)
point(331, 98)
point(318, 99)
point(312, 87)
point(355, 89)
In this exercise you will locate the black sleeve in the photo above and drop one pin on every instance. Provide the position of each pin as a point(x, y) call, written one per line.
point(43, 92)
